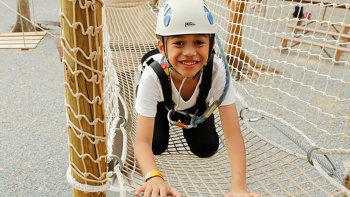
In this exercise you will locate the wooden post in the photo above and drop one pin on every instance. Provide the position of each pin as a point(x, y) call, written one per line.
point(234, 29)
point(84, 92)
point(154, 3)
point(338, 53)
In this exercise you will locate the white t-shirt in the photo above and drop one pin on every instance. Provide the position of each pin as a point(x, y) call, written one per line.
point(150, 91)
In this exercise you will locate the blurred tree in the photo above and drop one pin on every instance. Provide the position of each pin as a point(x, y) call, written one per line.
point(23, 25)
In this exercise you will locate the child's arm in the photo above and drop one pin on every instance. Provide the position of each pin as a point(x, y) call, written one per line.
point(236, 149)
point(146, 160)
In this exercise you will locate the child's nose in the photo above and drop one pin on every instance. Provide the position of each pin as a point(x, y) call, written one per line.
point(189, 51)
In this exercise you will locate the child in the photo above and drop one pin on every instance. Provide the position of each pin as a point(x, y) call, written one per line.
point(185, 32)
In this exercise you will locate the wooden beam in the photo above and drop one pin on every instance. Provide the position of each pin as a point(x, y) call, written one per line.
point(314, 43)
point(310, 29)
point(320, 2)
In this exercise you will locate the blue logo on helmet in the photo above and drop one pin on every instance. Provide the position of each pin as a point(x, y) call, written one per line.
point(209, 15)
point(167, 16)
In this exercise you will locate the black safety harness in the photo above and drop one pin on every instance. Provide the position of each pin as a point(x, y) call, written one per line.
point(164, 79)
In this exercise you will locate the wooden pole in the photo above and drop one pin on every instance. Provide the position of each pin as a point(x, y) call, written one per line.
point(234, 48)
point(84, 93)
point(154, 3)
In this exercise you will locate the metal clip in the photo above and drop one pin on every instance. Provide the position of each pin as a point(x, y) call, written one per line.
point(211, 109)
point(177, 123)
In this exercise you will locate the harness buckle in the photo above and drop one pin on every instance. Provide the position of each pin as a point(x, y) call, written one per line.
point(178, 123)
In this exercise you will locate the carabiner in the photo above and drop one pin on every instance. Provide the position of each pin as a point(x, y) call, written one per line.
point(177, 123)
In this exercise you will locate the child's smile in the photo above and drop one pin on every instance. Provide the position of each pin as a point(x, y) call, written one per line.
point(189, 63)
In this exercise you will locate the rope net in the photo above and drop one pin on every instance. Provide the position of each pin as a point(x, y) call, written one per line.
point(290, 65)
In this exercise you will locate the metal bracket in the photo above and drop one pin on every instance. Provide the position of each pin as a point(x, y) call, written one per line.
point(251, 119)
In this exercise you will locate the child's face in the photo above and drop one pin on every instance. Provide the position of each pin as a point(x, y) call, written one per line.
point(186, 53)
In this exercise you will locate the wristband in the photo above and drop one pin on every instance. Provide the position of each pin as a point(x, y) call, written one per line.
point(152, 174)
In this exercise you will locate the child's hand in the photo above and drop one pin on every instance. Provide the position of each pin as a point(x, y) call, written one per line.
point(242, 194)
point(155, 187)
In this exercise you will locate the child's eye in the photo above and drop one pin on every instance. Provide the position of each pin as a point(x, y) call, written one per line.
point(179, 43)
point(199, 42)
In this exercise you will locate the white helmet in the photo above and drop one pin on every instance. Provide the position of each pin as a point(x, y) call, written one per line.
point(177, 17)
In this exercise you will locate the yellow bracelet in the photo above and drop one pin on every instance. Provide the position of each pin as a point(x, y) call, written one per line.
point(152, 174)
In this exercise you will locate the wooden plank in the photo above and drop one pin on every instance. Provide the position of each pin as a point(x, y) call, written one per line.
point(19, 41)
point(22, 38)
point(305, 41)
point(21, 34)
point(309, 29)
point(18, 46)
point(25, 40)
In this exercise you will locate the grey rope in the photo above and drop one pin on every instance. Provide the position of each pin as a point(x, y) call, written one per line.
point(329, 166)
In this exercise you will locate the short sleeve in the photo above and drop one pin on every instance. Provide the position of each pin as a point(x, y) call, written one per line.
point(219, 81)
point(148, 93)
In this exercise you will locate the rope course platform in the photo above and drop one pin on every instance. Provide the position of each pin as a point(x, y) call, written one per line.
point(21, 40)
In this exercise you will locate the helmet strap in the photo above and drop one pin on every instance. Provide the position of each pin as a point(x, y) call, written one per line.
point(164, 46)
point(211, 44)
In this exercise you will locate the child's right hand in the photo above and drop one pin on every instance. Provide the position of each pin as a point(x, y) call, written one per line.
point(155, 187)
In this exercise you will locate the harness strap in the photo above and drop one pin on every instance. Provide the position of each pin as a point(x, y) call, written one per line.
point(205, 85)
point(163, 75)
point(149, 54)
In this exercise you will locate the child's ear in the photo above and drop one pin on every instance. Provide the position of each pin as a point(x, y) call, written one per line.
point(160, 47)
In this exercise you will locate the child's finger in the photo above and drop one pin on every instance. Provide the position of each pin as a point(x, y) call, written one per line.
point(174, 192)
point(140, 190)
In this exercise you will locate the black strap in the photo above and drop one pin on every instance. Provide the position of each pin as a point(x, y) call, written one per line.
point(166, 88)
point(205, 86)
point(144, 58)
point(149, 54)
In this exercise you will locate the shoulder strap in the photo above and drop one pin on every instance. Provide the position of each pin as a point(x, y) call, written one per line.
point(164, 82)
point(205, 85)
point(149, 54)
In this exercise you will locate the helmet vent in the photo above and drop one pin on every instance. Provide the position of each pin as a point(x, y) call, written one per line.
point(209, 15)
point(167, 16)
